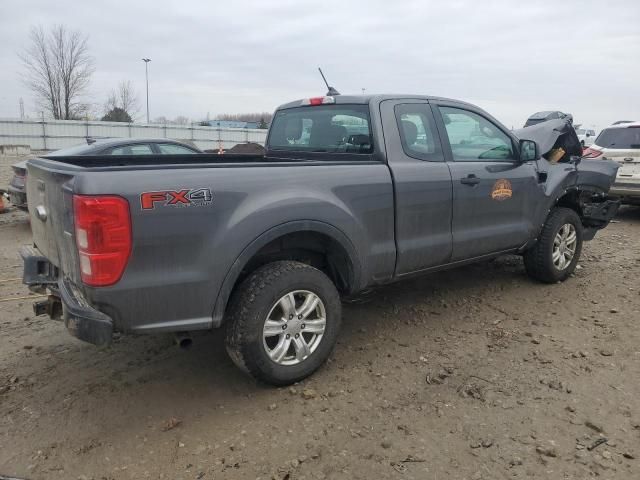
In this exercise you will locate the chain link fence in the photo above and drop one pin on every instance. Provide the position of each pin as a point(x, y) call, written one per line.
point(49, 135)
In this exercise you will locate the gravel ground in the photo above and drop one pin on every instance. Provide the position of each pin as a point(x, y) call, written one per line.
point(475, 373)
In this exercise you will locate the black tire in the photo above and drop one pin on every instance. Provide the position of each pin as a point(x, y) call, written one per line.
point(538, 260)
point(250, 307)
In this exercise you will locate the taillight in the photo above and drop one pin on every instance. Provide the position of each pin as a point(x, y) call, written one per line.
point(103, 237)
point(591, 153)
point(319, 101)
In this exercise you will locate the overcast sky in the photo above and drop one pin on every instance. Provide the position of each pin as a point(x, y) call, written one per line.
point(510, 57)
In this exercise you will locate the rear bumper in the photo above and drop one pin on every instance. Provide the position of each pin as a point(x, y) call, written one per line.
point(626, 190)
point(81, 319)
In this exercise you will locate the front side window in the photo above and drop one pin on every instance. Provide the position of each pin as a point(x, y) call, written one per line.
point(142, 149)
point(323, 128)
point(473, 138)
point(417, 132)
point(173, 149)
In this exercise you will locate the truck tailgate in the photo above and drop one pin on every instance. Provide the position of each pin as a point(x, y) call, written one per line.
point(51, 210)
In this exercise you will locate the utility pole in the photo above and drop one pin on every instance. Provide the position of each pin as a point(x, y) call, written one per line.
point(146, 74)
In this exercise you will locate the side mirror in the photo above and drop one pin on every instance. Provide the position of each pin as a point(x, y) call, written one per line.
point(528, 150)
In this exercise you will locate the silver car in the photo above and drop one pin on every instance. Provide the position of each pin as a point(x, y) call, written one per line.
point(621, 143)
point(112, 146)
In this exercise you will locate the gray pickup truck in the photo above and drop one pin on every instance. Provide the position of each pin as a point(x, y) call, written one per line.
point(352, 192)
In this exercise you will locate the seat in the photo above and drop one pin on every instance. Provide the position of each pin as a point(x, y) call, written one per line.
point(358, 143)
point(327, 135)
point(410, 132)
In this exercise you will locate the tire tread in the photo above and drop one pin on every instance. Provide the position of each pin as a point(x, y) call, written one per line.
point(243, 307)
point(537, 260)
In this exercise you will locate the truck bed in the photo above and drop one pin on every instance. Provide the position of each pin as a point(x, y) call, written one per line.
point(90, 161)
point(182, 255)
point(109, 162)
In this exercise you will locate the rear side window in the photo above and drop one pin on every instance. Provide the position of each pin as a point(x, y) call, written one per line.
point(143, 149)
point(417, 131)
point(628, 138)
point(474, 138)
point(173, 149)
point(323, 128)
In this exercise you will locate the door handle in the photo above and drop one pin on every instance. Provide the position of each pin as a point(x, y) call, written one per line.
point(470, 179)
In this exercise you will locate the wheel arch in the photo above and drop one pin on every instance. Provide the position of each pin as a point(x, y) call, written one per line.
point(340, 254)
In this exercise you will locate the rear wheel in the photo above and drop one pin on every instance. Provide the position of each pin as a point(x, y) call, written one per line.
point(283, 322)
point(555, 255)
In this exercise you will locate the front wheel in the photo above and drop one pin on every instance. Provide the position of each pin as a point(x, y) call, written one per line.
point(556, 253)
point(283, 322)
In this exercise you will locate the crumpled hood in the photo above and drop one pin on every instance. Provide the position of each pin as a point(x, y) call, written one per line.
point(552, 134)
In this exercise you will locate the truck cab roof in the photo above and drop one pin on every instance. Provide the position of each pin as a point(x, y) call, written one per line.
point(366, 99)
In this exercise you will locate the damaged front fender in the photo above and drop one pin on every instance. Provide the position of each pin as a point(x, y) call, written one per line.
point(567, 180)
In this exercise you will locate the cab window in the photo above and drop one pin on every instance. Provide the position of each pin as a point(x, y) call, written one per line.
point(141, 149)
point(417, 131)
point(473, 138)
point(322, 129)
point(173, 149)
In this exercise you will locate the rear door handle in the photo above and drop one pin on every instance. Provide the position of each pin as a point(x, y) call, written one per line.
point(470, 180)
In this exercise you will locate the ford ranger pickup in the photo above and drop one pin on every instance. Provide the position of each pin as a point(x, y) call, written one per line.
point(352, 192)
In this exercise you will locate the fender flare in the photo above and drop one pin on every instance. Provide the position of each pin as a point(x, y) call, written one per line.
point(278, 231)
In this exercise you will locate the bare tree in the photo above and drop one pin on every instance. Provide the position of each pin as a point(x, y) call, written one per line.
point(124, 98)
point(181, 120)
point(58, 70)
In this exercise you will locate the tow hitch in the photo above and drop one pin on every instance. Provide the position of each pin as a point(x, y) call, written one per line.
point(52, 306)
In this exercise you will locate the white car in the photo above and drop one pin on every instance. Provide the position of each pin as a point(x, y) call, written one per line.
point(621, 143)
point(586, 136)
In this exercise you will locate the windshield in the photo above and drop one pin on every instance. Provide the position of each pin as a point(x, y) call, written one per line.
point(619, 138)
point(324, 128)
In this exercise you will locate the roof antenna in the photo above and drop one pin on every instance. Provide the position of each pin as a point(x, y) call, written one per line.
point(330, 90)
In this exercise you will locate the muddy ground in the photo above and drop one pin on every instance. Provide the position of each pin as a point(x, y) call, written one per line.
point(476, 373)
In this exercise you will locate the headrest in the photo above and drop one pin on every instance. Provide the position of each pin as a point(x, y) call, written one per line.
point(410, 132)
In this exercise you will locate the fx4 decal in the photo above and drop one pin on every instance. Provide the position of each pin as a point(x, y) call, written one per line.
point(193, 197)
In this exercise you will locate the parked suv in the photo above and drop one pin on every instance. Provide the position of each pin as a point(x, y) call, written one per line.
point(586, 136)
point(621, 143)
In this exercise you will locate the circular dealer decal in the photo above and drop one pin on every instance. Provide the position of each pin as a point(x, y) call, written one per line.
point(501, 190)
